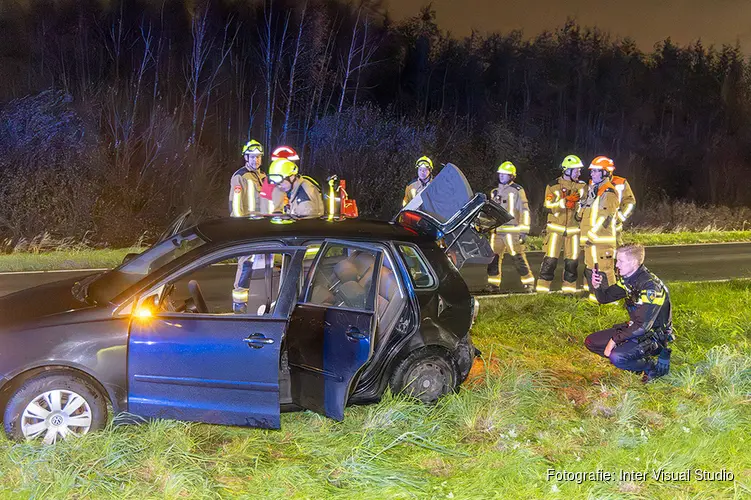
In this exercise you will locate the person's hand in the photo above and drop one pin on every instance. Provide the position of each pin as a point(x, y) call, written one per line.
point(596, 279)
point(663, 362)
point(609, 348)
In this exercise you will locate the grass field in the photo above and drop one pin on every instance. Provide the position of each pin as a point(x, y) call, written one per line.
point(679, 238)
point(108, 258)
point(540, 402)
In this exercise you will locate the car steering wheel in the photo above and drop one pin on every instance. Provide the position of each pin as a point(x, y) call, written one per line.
point(197, 296)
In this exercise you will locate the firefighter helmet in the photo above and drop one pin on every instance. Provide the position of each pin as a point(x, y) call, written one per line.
point(571, 161)
point(281, 169)
point(507, 168)
point(603, 163)
point(252, 147)
point(424, 161)
point(285, 152)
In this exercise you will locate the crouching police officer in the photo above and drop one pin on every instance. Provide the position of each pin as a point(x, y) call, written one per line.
point(632, 346)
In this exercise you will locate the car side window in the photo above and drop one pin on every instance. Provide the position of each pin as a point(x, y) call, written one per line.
point(418, 268)
point(246, 284)
point(343, 277)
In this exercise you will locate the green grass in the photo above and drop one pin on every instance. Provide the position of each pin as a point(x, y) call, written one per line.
point(680, 238)
point(65, 259)
point(541, 401)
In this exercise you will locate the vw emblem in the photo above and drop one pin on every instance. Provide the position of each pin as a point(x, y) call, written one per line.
point(57, 420)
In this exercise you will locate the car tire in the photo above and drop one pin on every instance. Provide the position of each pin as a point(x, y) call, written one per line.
point(426, 374)
point(54, 406)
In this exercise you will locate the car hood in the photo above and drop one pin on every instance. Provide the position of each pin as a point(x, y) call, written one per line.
point(39, 301)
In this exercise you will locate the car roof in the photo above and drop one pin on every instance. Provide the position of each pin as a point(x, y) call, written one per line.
point(229, 229)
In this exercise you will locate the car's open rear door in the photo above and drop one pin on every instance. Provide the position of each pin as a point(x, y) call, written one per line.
point(330, 334)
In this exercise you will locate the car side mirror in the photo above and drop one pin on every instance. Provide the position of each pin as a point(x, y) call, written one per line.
point(148, 307)
point(129, 256)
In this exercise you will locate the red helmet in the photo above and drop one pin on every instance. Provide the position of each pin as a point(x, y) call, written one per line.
point(285, 153)
point(603, 163)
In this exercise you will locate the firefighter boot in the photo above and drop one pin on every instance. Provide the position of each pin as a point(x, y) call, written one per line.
point(547, 272)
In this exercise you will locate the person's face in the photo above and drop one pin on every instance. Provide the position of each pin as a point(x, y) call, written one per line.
point(252, 161)
point(597, 175)
point(505, 178)
point(626, 264)
point(574, 173)
point(423, 173)
point(285, 185)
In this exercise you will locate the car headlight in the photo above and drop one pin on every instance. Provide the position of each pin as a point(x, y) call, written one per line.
point(475, 310)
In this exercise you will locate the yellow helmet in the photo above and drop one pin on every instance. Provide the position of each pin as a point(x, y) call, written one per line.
point(507, 168)
point(281, 169)
point(253, 147)
point(424, 161)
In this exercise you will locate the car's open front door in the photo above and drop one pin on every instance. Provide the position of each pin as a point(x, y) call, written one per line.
point(330, 334)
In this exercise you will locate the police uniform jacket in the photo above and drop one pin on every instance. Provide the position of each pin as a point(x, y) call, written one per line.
point(512, 197)
point(647, 302)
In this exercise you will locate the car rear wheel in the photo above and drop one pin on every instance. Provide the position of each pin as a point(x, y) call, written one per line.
point(426, 374)
point(54, 406)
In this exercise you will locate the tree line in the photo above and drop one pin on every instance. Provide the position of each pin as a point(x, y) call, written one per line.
point(116, 115)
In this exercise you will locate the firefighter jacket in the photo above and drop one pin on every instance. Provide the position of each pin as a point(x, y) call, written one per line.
point(513, 198)
point(626, 198)
point(305, 199)
point(562, 197)
point(245, 194)
point(598, 213)
point(647, 302)
point(413, 189)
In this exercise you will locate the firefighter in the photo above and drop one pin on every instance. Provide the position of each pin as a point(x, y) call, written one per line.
point(303, 194)
point(633, 345)
point(598, 214)
point(245, 200)
point(510, 237)
point(626, 203)
point(562, 198)
point(424, 166)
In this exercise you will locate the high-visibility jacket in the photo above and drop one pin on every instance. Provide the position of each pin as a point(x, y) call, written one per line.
point(413, 189)
point(626, 198)
point(562, 220)
point(598, 212)
point(513, 198)
point(305, 199)
point(245, 194)
point(647, 302)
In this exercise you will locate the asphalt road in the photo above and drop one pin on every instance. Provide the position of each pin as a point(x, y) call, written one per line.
point(671, 263)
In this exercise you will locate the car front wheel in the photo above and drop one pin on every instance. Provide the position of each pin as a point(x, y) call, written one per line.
point(54, 406)
point(426, 374)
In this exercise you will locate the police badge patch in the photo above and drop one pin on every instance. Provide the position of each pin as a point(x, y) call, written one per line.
point(651, 295)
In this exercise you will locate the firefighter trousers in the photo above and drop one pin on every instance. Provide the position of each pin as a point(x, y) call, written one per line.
point(554, 242)
point(602, 254)
point(508, 243)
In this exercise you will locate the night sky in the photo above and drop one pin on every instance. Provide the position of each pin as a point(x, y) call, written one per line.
point(646, 21)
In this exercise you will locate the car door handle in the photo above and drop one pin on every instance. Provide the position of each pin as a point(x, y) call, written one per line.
point(355, 334)
point(257, 340)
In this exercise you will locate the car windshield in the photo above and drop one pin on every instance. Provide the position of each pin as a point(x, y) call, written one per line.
point(111, 284)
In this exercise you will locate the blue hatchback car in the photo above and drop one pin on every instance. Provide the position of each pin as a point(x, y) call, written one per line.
point(337, 311)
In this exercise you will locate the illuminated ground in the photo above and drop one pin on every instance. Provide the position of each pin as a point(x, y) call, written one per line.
point(541, 402)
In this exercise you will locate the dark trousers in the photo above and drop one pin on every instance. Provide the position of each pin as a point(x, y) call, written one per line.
point(626, 356)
